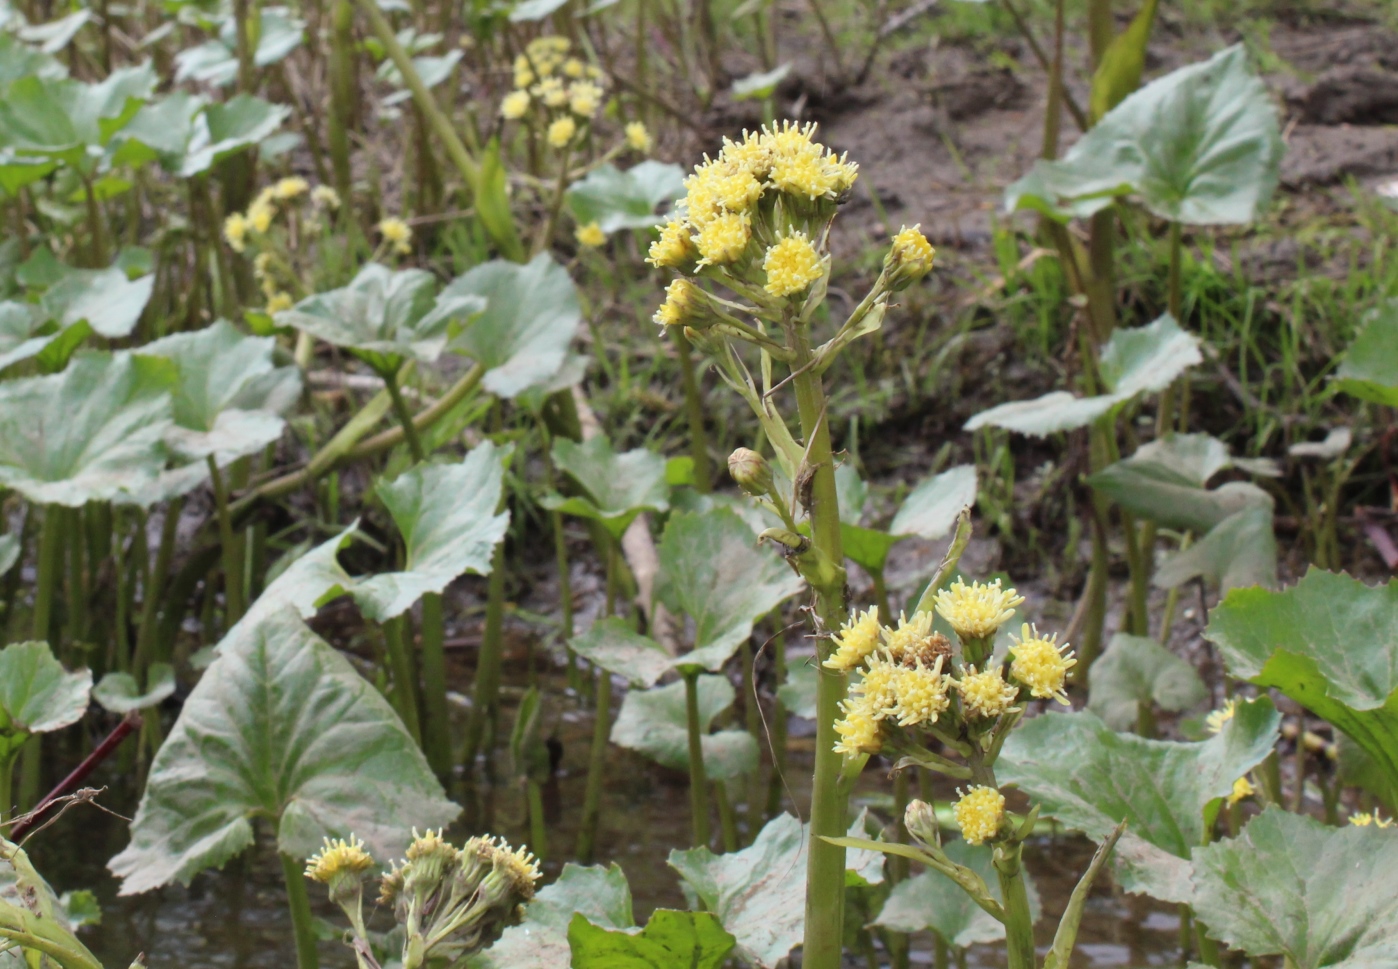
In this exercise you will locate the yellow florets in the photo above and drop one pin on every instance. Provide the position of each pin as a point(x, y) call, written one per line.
point(856, 640)
point(681, 297)
point(674, 248)
point(235, 231)
point(546, 54)
point(858, 728)
point(519, 865)
point(724, 239)
point(325, 197)
point(515, 105)
point(792, 265)
point(909, 258)
point(976, 611)
point(552, 92)
point(1041, 664)
point(879, 686)
point(260, 214)
point(1219, 718)
point(338, 858)
point(278, 301)
point(979, 813)
point(1242, 788)
point(573, 67)
point(561, 132)
point(584, 98)
point(638, 137)
point(590, 235)
point(397, 234)
point(290, 188)
point(985, 695)
point(1365, 819)
point(800, 166)
point(909, 635)
point(922, 694)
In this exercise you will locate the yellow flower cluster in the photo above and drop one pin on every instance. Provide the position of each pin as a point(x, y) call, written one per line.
point(1242, 789)
point(1041, 664)
point(985, 695)
point(590, 235)
point(922, 694)
point(976, 611)
point(909, 694)
point(339, 857)
point(979, 813)
point(1364, 819)
point(856, 640)
point(239, 227)
point(858, 728)
point(546, 74)
point(638, 137)
point(397, 234)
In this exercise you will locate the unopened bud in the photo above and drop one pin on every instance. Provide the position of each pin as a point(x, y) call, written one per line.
point(686, 305)
point(921, 821)
point(908, 260)
point(751, 471)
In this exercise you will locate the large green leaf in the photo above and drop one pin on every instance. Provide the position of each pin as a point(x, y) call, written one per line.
point(384, 316)
point(104, 299)
point(713, 572)
point(307, 583)
point(280, 727)
point(654, 722)
point(120, 693)
point(931, 509)
point(601, 895)
point(449, 519)
point(1322, 897)
point(90, 433)
point(612, 644)
point(618, 487)
point(19, 60)
point(1091, 778)
point(37, 695)
point(230, 395)
point(68, 121)
point(932, 902)
point(1199, 146)
point(625, 200)
point(670, 939)
point(216, 61)
point(531, 317)
point(1239, 551)
point(1330, 643)
point(1146, 359)
point(1135, 670)
point(1370, 368)
point(188, 134)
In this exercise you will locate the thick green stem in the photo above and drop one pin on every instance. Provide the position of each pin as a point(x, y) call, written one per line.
point(299, 902)
point(485, 696)
point(694, 408)
point(342, 91)
point(404, 676)
point(698, 781)
point(405, 416)
point(154, 586)
point(232, 569)
point(76, 593)
point(436, 725)
point(7, 779)
point(1019, 924)
point(727, 817)
point(601, 729)
point(50, 567)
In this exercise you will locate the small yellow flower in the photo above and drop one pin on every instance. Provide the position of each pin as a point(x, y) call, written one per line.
point(338, 858)
point(724, 239)
point(524, 74)
point(909, 258)
point(879, 686)
point(290, 188)
point(1219, 718)
point(922, 694)
point(396, 233)
point(857, 638)
point(976, 611)
point(1041, 664)
point(325, 197)
point(1242, 788)
point(979, 813)
point(638, 137)
point(685, 305)
point(552, 92)
point(561, 132)
point(985, 695)
point(429, 844)
point(277, 302)
point(590, 235)
point(1365, 819)
point(574, 68)
point(260, 215)
point(520, 866)
point(909, 636)
point(858, 728)
point(803, 174)
point(235, 231)
point(674, 248)
point(584, 98)
point(514, 105)
point(792, 265)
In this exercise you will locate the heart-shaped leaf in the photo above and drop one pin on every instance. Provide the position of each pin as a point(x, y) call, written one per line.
point(1200, 146)
point(618, 200)
point(531, 317)
point(105, 299)
point(120, 693)
point(1239, 551)
point(37, 695)
point(601, 895)
point(216, 61)
point(1322, 897)
point(654, 722)
point(612, 644)
point(1330, 643)
point(1090, 778)
point(1135, 670)
point(618, 486)
point(931, 509)
point(1370, 367)
point(90, 433)
point(449, 519)
point(670, 938)
point(68, 121)
point(280, 726)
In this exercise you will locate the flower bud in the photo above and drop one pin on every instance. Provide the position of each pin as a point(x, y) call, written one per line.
point(751, 471)
point(686, 305)
point(908, 260)
point(921, 821)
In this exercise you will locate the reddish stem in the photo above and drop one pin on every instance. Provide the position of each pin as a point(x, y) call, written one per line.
point(103, 750)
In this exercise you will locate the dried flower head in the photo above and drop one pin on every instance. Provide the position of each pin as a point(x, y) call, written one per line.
point(338, 858)
point(638, 137)
point(976, 611)
point(856, 640)
point(985, 695)
point(590, 235)
point(520, 867)
point(515, 105)
point(1041, 664)
point(792, 265)
point(561, 131)
point(905, 641)
point(979, 814)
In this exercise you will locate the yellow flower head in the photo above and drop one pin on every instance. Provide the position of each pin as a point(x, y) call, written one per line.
point(260, 214)
point(858, 728)
point(638, 137)
point(277, 302)
point(1219, 718)
point(397, 233)
point(561, 132)
point(552, 92)
point(792, 265)
point(524, 74)
point(753, 154)
point(515, 105)
point(724, 239)
point(909, 636)
point(590, 235)
point(1242, 788)
point(909, 258)
point(879, 686)
point(1365, 819)
point(735, 191)
point(391, 886)
point(922, 694)
point(574, 68)
point(857, 638)
point(325, 197)
point(801, 166)
point(674, 248)
point(1041, 664)
point(547, 54)
point(979, 813)
point(803, 174)
point(686, 305)
point(338, 858)
point(584, 98)
point(235, 231)
point(985, 695)
point(516, 868)
point(290, 188)
point(976, 611)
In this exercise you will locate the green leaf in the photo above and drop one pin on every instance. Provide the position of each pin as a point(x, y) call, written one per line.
point(449, 519)
point(612, 644)
point(280, 726)
point(798, 693)
point(1090, 778)
point(1370, 368)
point(1146, 359)
point(68, 121)
point(120, 693)
point(1199, 146)
point(305, 584)
point(31, 916)
point(230, 396)
point(10, 549)
point(713, 572)
point(19, 60)
point(531, 316)
point(618, 486)
point(1239, 551)
point(618, 200)
point(598, 894)
point(37, 695)
point(1119, 71)
point(931, 508)
point(1135, 670)
point(104, 299)
point(932, 902)
point(669, 940)
point(1330, 643)
point(760, 85)
point(228, 128)
point(215, 62)
point(868, 547)
point(654, 722)
point(384, 317)
point(1291, 886)
point(528, 10)
point(90, 433)
point(81, 908)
